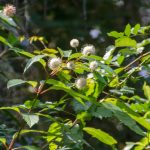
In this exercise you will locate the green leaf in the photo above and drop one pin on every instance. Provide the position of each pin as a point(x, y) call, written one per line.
point(30, 119)
point(22, 52)
point(115, 34)
point(142, 121)
point(15, 82)
point(114, 82)
point(136, 28)
point(125, 41)
point(14, 108)
point(67, 53)
point(124, 118)
point(101, 112)
point(4, 41)
point(146, 89)
point(28, 148)
point(100, 135)
point(127, 30)
point(75, 55)
point(3, 140)
point(33, 60)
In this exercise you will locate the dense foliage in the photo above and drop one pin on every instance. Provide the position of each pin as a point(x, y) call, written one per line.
point(114, 87)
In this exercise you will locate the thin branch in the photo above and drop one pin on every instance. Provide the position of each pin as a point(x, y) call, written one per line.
point(130, 64)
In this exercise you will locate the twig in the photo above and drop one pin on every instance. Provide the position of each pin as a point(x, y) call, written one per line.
point(130, 64)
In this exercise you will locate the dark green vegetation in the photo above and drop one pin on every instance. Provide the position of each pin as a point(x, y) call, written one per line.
point(100, 102)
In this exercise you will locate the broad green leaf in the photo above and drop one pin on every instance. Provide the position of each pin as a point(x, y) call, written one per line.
point(142, 121)
point(75, 55)
point(125, 41)
point(15, 82)
point(115, 34)
point(28, 131)
point(101, 112)
point(146, 89)
point(124, 117)
point(94, 57)
point(22, 52)
point(57, 85)
point(4, 41)
point(30, 119)
point(67, 53)
point(14, 108)
point(29, 104)
point(136, 28)
point(33, 60)
point(49, 51)
point(100, 135)
point(127, 30)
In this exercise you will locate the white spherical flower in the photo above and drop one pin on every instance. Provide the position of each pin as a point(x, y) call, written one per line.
point(89, 49)
point(54, 63)
point(93, 65)
point(80, 83)
point(74, 43)
point(9, 10)
point(70, 65)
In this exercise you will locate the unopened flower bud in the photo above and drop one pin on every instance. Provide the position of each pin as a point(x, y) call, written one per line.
point(80, 83)
point(88, 50)
point(74, 43)
point(70, 65)
point(93, 65)
point(9, 10)
point(54, 63)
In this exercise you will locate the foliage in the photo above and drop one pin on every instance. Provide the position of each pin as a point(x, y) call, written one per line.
point(105, 91)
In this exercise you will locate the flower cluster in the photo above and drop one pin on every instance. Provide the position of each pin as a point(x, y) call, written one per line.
point(56, 63)
point(9, 10)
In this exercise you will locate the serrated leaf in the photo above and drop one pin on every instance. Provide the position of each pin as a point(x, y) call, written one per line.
point(33, 60)
point(30, 119)
point(15, 82)
point(127, 30)
point(100, 135)
point(124, 118)
point(101, 112)
point(125, 41)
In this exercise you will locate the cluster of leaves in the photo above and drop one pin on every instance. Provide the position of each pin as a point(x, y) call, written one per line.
point(108, 93)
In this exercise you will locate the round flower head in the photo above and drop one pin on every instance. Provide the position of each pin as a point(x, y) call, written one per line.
point(93, 65)
point(9, 10)
point(74, 43)
point(70, 65)
point(80, 83)
point(54, 63)
point(89, 49)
